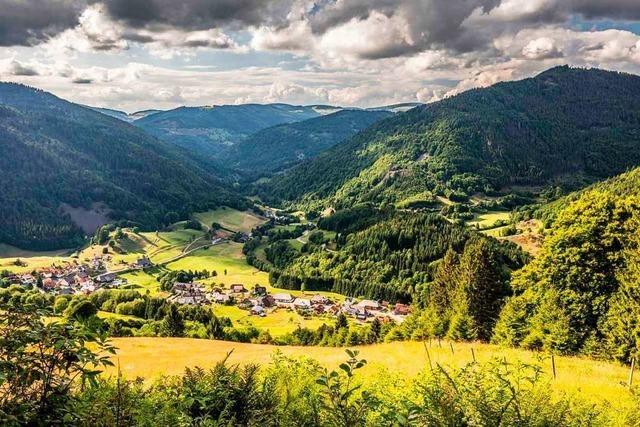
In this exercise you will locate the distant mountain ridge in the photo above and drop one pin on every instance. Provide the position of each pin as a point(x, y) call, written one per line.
point(565, 126)
point(279, 147)
point(125, 117)
point(207, 130)
point(57, 157)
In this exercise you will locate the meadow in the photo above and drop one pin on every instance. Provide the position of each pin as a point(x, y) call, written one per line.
point(596, 381)
point(230, 219)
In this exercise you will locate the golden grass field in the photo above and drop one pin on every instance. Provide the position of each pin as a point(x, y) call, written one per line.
point(152, 357)
point(230, 219)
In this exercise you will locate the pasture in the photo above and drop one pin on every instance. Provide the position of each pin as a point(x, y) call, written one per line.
point(231, 219)
point(152, 357)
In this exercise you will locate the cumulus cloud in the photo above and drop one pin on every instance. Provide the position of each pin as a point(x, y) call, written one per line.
point(19, 69)
point(346, 52)
point(29, 22)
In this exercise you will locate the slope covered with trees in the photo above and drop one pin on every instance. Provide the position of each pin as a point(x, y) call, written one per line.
point(567, 126)
point(283, 146)
point(393, 259)
point(581, 294)
point(56, 152)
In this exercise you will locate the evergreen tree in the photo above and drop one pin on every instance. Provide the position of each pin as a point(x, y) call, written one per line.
point(173, 323)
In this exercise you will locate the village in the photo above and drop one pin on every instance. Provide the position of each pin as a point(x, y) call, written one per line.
point(259, 302)
point(73, 278)
point(86, 278)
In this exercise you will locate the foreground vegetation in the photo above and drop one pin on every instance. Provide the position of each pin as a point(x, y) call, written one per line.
point(50, 376)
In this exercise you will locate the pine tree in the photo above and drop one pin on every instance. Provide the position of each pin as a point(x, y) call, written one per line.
point(481, 288)
point(173, 323)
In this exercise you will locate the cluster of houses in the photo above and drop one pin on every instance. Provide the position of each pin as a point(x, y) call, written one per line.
point(73, 278)
point(259, 302)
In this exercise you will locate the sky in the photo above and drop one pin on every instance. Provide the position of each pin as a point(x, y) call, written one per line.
point(141, 54)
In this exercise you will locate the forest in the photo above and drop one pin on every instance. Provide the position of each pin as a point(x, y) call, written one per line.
point(56, 152)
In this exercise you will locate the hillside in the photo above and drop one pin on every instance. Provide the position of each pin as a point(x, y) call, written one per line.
point(283, 146)
point(61, 160)
point(565, 126)
point(207, 130)
point(581, 292)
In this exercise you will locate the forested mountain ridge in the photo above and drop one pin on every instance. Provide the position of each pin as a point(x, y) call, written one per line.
point(282, 146)
point(54, 152)
point(566, 125)
point(205, 131)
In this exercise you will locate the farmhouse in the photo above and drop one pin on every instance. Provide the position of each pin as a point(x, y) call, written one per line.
point(258, 310)
point(220, 298)
point(283, 299)
point(401, 309)
point(106, 277)
point(319, 300)
point(259, 290)
point(302, 303)
point(238, 289)
point(143, 262)
point(368, 305)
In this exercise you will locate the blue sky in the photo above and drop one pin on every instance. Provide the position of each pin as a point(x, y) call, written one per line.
point(133, 55)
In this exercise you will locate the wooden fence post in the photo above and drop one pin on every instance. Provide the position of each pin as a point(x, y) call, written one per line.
point(553, 366)
point(633, 365)
point(428, 357)
point(473, 354)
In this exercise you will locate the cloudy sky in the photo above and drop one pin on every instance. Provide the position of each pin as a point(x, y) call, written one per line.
point(138, 54)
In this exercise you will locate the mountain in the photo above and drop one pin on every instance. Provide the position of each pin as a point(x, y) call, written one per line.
point(208, 130)
point(126, 117)
point(65, 166)
point(565, 126)
point(283, 146)
point(582, 292)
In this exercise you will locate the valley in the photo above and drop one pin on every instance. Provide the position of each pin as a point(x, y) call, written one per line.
point(483, 241)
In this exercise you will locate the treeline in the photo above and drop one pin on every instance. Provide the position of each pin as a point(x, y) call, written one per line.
point(61, 385)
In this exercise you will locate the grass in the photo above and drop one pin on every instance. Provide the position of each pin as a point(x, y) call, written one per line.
point(109, 315)
point(144, 280)
point(278, 322)
point(230, 219)
point(487, 220)
point(151, 357)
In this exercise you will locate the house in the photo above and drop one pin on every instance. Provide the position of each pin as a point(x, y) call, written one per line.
point(48, 283)
point(361, 314)
point(220, 298)
point(302, 303)
point(180, 287)
point(259, 290)
point(401, 309)
point(106, 277)
point(143, 263)
point(267, 301)
point(65, 290)
point(283, 299)
point(258, 310)
point(319, 300)
point(27, 279)
point(238, 289)
point(191, 299)
point(369, 305)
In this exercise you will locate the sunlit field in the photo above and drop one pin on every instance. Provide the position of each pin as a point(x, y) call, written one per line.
point(230, 219)
point(151, 357)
